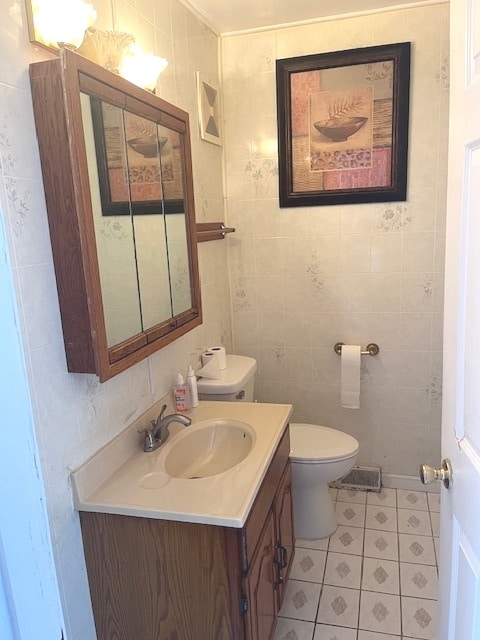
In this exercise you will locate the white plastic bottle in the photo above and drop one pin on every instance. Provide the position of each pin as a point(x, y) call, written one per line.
point(192, 387)
point(181, 397)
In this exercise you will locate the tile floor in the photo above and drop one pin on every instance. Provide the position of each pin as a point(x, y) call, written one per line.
point(375, 578)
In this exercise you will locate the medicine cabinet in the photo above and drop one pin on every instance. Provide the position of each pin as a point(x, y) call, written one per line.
point(117, 171)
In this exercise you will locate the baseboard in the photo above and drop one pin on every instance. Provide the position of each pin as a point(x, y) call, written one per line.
point(409, 483)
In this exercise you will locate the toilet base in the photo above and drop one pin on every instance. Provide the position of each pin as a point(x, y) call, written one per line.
point(312, 523)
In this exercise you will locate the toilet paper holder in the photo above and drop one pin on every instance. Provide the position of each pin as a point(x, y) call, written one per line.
point(371, 350)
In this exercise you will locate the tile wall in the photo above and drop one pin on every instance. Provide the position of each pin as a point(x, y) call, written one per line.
point(306, 278)
point(74, 415)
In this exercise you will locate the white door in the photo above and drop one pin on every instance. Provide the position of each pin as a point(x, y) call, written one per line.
point(459, 592)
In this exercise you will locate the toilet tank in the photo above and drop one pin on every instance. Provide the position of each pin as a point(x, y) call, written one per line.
point(236, 382)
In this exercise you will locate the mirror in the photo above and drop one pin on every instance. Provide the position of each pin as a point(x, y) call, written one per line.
point(124, 198)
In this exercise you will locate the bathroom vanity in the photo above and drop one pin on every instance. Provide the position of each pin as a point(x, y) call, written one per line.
point(189, 558)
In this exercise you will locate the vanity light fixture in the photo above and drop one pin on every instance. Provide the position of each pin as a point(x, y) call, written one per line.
point(140, 68)
point(106, 48)
point(55, 23)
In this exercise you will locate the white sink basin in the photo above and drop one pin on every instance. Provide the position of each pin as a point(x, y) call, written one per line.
point(208, 448)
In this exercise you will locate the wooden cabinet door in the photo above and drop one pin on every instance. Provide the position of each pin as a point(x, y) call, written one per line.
point(259, 586)
point(284, 532)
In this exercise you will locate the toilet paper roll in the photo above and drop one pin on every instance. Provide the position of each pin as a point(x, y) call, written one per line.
point(208, 356)
point(210, 369)
point(350, 383)
point(221, 354)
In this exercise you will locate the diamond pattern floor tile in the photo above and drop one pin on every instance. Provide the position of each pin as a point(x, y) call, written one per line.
point(379, 612)
point(412, 500)
point(329, 632)
point(385, 497)
point(301, 600)
point(288, 629)
point(418, 580)
point(373, 635)
point(339, 606)
point(381, 575)
point(417, 522)
point(419, 618)
point(343, 570)
point(350, 514)
point(417, 549)
point(375, 578)
point(380, 517)
point(347, 540)
point(381, 544)
point(350, 495)
point(308, 565)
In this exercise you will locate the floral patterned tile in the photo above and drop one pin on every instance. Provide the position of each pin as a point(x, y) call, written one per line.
point(419, 618)
point(379, 612)
point(339, 606)
point(301, 600)
point(412, 500)
point(381, 544)
point(380, 575)
point(415, 522)
point(308, 565)
point(288, 629)
point(343, 570)
point(347, 540)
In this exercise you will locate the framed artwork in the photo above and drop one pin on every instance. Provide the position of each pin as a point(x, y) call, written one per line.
point(343, 126)
point(208, 110)
point(139, 163)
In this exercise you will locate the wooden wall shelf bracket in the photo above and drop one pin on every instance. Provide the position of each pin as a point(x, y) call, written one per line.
point(212, 231)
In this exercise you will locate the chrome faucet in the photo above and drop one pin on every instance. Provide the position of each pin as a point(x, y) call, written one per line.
point(159, 432)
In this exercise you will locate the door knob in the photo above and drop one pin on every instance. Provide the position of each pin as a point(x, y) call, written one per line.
point(428, 474)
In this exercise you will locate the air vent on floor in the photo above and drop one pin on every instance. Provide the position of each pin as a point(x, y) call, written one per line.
point(360, 479)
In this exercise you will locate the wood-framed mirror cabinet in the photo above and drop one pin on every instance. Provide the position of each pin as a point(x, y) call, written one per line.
point(117, 172)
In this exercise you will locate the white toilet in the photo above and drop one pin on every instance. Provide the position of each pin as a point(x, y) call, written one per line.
point(319, 455)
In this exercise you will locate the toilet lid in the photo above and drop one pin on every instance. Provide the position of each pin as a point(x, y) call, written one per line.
point(311, 442)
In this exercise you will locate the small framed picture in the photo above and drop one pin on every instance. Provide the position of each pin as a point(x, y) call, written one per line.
point(208, 110)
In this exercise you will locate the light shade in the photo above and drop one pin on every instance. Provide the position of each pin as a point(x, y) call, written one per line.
point(62, 21)
point(142, 69)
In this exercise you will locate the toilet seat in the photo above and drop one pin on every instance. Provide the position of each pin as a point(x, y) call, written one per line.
point(311, 443)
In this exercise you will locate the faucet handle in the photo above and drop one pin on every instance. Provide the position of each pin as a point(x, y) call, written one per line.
point(160, 416)
point(148, 443)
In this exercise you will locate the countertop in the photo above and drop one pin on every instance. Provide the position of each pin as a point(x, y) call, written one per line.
point(122, 479)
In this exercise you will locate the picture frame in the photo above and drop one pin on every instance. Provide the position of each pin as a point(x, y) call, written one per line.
point(208, 97)
point(138, 163)
point(343, 126)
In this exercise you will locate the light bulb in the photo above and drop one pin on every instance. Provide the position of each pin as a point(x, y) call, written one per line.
point(62, 21)
point(142, 69)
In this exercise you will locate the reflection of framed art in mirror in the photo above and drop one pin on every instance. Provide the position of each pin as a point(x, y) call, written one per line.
point(138, 163)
